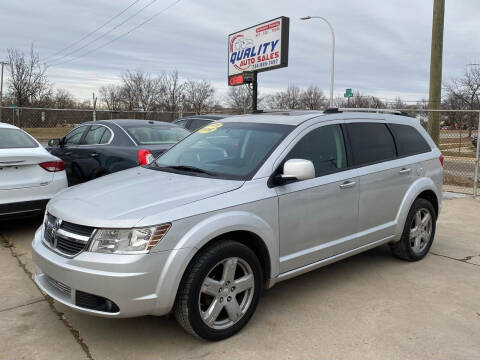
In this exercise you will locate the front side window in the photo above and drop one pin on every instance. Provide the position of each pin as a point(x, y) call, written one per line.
point(409, 141)
point(371, 143)
point(224, 150)
point(155, 134)
point(324, 147)
point(97, 135)
point(74, 136)
point(15, 139)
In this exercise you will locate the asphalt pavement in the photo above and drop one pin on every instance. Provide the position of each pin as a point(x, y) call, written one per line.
point(370, 306)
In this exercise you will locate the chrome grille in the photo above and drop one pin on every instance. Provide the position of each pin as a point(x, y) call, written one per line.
point(64, 289)
point(64, 237)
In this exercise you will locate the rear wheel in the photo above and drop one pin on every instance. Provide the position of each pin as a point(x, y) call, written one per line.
point(418, 233)
point(220, 291)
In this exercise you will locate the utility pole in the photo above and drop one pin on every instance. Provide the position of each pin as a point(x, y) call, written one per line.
point(94, 107)
point(436, 69)
point(3, 63)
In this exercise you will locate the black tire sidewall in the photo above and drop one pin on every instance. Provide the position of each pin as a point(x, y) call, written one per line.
point(208, 260)
point(417, 205)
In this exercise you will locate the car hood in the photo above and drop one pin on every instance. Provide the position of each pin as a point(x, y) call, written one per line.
point(124, 198)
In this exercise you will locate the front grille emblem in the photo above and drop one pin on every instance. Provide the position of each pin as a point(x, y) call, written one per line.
point(53, 232)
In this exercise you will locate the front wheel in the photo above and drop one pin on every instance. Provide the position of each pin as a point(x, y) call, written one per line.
point(220, 291)
point(418, 233)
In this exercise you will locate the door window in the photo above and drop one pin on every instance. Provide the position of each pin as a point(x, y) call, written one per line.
point(74, 136)
point(371, 143)
point(409, 141)
point(95, 135)
point(324, 147)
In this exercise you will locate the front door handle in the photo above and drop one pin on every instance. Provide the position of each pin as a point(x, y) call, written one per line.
point(94, 155)
point(405, 171)
point(347, 184)
point(68, 153)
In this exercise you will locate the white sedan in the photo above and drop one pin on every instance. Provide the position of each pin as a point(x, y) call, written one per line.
point(29, 174)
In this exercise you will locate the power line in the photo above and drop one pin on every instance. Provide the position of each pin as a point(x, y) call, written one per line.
point(121, 35)
point(105, 34)
point(94, 31)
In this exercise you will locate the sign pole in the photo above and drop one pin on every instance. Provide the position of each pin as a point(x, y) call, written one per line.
point(254, 92)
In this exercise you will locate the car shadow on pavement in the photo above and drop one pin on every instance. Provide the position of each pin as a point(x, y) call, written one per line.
point(312, 290)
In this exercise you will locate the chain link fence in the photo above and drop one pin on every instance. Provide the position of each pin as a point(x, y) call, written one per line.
point(458, 132)
point(45, 124)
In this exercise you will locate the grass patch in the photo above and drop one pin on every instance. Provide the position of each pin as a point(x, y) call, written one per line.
point(450, 179)
point(48, 133)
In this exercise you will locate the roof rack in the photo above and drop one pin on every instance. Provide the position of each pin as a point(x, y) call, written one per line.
point(374, 110)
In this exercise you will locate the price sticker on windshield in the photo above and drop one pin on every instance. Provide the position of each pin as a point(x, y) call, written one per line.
point(210, 128)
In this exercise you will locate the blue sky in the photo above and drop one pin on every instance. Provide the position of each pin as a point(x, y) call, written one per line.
point(383, 47)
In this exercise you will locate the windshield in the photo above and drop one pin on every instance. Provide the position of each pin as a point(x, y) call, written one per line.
point(225, 150)
point(14, 139)
point(155, 134)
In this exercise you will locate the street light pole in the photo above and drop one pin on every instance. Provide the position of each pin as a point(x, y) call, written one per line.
point(332, 70)
point(3, 63)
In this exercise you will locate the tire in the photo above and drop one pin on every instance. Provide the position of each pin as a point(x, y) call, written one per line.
point(205, 291)
point(415, 244)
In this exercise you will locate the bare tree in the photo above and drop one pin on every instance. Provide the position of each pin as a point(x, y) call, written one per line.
point(288, 99)
point(173, 91)
point(63, 99)
point(140, 89)
point(239, 98)
point(111, 96)
point(28, 80)
point(199, 95)
point(464, 94)
point(313, 99)
point(361, 101)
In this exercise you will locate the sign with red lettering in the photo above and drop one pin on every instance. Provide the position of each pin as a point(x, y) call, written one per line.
point(259, 48)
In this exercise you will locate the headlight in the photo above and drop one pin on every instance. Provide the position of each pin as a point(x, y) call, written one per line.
point(128, 241)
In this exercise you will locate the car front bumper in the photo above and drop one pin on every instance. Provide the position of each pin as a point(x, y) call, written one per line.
point(134, 285)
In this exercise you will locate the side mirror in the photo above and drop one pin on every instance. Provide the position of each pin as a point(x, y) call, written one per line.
point(54, 142)
point(297, 169)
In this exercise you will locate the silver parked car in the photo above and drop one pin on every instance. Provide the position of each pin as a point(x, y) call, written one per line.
point(235, 208)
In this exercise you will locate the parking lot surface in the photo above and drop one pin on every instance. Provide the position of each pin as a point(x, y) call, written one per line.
point(370, 306)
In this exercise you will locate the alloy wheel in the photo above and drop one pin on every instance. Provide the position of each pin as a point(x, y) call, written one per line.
point(226, 293)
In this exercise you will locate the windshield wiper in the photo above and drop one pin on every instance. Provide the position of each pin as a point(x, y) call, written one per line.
point(188, 168)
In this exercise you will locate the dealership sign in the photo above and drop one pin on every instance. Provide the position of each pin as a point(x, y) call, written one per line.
point(259, 48)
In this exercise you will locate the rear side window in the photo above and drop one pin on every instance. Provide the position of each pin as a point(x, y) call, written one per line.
point(371, 143)
point(15, 139)
point(95, 135)
point(409, 140)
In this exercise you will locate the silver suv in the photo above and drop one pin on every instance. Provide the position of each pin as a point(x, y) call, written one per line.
point(235, 208)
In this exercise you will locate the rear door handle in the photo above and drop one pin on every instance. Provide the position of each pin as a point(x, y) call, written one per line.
point(405, 171)
point(347, 184)
point(94, 155)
